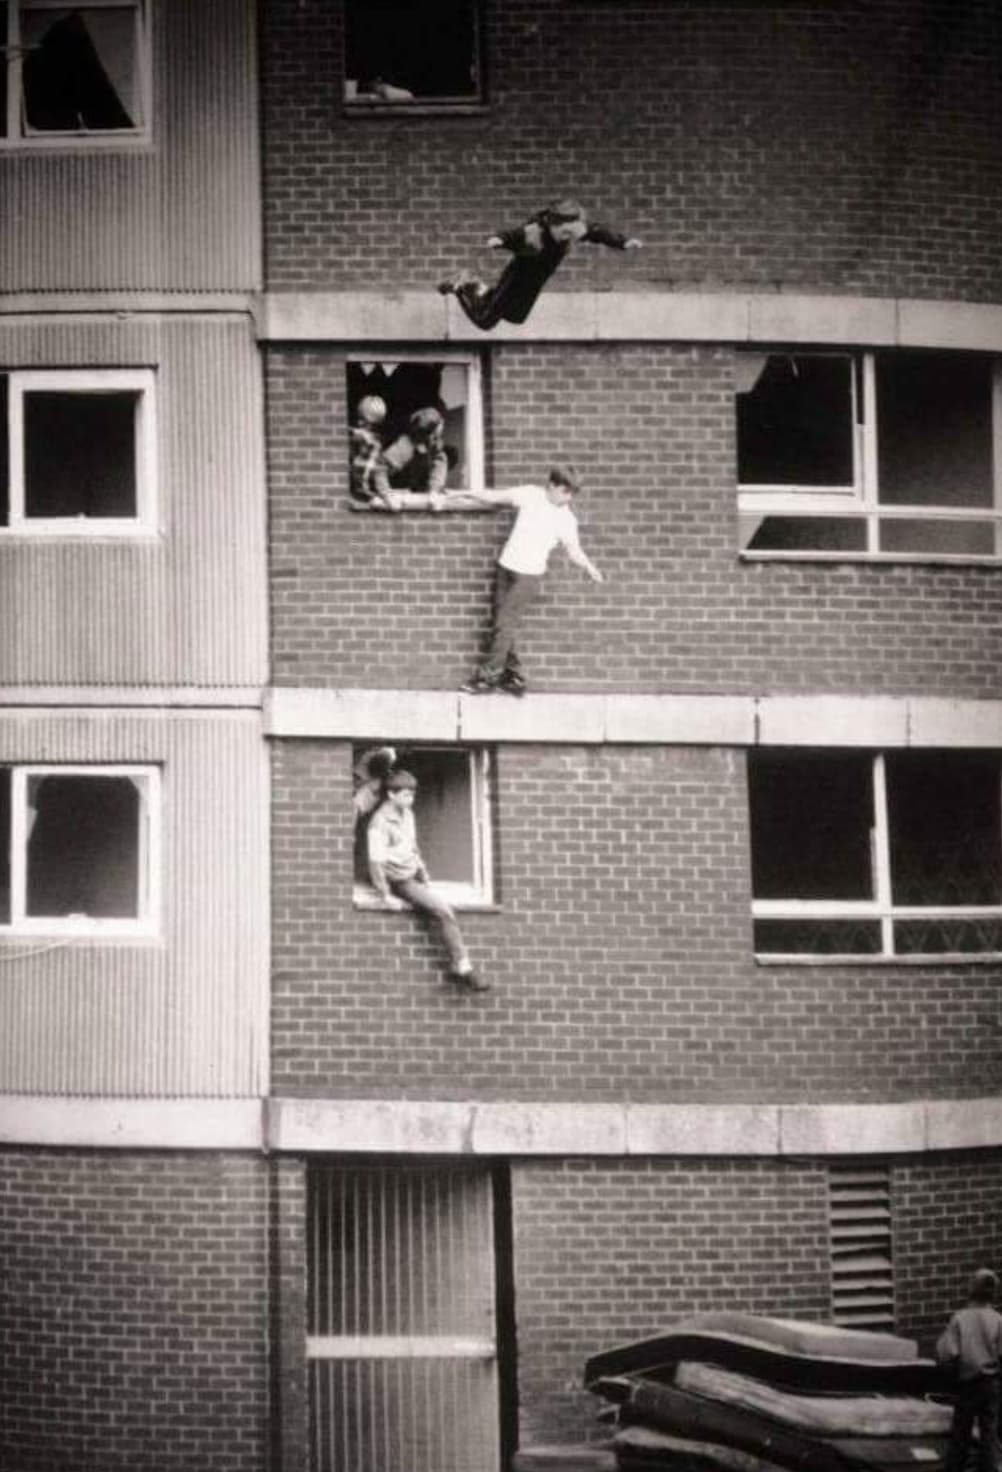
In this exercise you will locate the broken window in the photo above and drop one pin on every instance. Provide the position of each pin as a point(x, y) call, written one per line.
point(80, 451)
point(383, 397)
point(407, 52)
point(452, 818)
point(76, 849)
point(887, 453)
point(75, 70)
point(889, 854)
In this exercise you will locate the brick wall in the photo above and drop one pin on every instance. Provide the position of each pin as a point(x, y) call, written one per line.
point(850, 146)
point(620, 956)
point(134, 1312)
point(369, 599)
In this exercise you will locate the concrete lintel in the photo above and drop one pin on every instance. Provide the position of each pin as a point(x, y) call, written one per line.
point(574, 719)
point(852, 1129)
point(931, 324)
point(550, 1129)
point(957, 1124)
point(832, 720)
point(380, 1126)
point(635, 315)
point(131, 1124)
point(955, 723)
point(681, 720)
point(702, 1129)
point(869, 321)
point(423, 715)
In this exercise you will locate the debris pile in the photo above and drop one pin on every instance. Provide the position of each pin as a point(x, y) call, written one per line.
point(742, 1393)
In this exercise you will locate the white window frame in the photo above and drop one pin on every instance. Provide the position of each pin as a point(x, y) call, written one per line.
point(880, 908)
point(19, 135)
point(478, 892)
point(475, 454)
point(92, 380)
point(148, 855)
point(860, 501)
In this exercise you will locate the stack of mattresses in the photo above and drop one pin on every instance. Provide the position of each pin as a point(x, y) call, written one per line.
point(747, 1394)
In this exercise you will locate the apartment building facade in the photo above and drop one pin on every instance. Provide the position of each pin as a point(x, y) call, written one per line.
point(732, 867)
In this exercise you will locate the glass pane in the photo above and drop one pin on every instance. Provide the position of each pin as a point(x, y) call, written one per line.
point(80, 454)
point(941, 937)
point(959, 538)
point(794, 426)
point(934, 429)
point(381, 399)
point(422, 50)
point(83, 847)
point(404, 1415)
point(806, 534)
point(80, 69)
point(817, 937)
point(945, 828)
point(811, 816)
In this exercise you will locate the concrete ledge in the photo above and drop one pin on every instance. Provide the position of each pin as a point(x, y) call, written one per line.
point(131, 1124)
point(664, 720)
point(636, 315)
point(631, 1130)
point(205, 697)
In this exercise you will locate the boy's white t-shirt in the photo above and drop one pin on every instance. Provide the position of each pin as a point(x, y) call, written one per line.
point(539, 527)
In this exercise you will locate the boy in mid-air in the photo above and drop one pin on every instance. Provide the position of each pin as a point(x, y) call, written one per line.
point(537, 249)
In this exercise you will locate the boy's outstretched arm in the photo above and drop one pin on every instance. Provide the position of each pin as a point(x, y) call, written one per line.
point(580, 558)
point(481, 498)
point(602, 235)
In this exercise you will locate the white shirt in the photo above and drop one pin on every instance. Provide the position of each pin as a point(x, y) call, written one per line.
point(539, 527)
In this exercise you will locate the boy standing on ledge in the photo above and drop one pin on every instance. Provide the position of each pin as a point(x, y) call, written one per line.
point(544, 520)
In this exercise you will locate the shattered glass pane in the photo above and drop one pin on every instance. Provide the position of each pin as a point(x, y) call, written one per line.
point(80, 70)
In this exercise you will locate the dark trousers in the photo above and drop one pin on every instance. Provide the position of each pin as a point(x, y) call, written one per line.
point(423, 898)
point(513, 594)
point(482, 304)
point(977, 1402)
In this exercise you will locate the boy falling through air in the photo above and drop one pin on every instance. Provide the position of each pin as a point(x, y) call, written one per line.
point(401, 878)
point(544, 520)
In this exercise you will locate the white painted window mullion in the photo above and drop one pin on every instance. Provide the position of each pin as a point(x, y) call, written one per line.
point(882, 854)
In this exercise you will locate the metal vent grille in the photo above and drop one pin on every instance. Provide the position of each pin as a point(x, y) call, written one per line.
point(862, 1263)
point(402, 1345)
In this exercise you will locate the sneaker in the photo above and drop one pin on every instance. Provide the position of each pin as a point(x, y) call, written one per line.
point(479, 686)
point(513, 684)
point(446, 287)
point(470, 980)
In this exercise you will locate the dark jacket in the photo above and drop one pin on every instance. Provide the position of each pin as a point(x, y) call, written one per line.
point(535, 257)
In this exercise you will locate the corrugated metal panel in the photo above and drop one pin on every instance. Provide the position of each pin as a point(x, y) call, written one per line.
point(402, 1338)
point(183, 213)
point(190, 606)
point(185, 1014)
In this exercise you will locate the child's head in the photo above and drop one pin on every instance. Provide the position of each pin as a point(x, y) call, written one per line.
point(562, 484)
point(565, 220)
point(984, 1286)
point(426, 426)
point(371, 411)
point(401, 787)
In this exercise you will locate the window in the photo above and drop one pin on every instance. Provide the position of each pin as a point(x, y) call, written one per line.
point(870, 454)
point(78, 849)
point(402, 1346)
point(403, 386)
point(74, 72)
point(80, 451)
point(862, 1263)
point(452, 818)
point(863, 855)
point(407, 53)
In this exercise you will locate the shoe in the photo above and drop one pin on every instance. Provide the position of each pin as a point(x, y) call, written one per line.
point(470, 980)
point(513, 684)
point(446, 287)
point(479, 686)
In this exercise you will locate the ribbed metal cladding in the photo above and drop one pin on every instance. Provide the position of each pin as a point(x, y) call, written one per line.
point(188, 605)
point(183, 212)
point(184, 1014)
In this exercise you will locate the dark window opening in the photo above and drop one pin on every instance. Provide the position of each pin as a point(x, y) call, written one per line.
point(811, 817)
point(934, 420)
point(402, 389)
point(79, 69)
point(804, 534)
point(443, 815)
point(945, 828)
point(80, 454)
point(795, 421)
point(83, 847)
point(397, 51)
